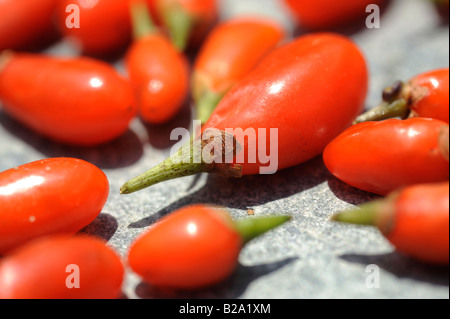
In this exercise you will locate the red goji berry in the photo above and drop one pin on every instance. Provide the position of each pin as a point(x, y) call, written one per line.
point(380, 157)
point(195, 246)
point(60, 267)
point(50, 196)
point(77, 101)
point(414, 219)
point(425, 95)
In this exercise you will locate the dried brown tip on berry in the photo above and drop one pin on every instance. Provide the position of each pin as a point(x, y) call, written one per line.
point(392, 92)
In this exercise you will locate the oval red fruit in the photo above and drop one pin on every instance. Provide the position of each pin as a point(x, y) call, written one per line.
point(50, 196)
point(414, 219)
point(421, 227)
point(434, 101)
point(77, 101)
point(380, 157)
point(78, 267)
point(231, 50)
point(104, 25)
point(160, 76)
point(425, 95)
point(193, 247)
point(290, 106)
point(323, 14)
point(298, 90)
point(25, 23)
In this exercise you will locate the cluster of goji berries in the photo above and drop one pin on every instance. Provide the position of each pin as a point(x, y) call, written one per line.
point(248, 74)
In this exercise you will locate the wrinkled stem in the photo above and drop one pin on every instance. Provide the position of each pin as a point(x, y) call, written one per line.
point(253, 227)
point(210, 155)
point(398, 108)
point(178, 165)
point(141, 19)
point(397, 99)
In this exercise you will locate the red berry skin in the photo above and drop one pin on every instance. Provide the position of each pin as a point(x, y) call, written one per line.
point(160, 78)
point(381, 157)
point(77, 101)
point(105, 25)
point(435, 101)
point(26, 24)
point(193, 247)
point(297, 89)
point(46, 197)
point(47, 268)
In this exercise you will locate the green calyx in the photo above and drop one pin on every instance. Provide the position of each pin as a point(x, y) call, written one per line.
point(253, 227)
point(366, 214)
point(180, 25)
point(142, 22)
point(178, 165)
point(206, 103)
point(378, 213)
point(213, 153)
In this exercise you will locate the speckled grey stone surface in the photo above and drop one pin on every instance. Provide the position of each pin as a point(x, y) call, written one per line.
point(309, 257)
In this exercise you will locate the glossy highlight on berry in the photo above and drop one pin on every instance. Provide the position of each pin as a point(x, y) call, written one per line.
point(47, 197)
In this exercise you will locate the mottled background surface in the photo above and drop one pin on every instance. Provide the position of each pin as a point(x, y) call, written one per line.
point(308, 258)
